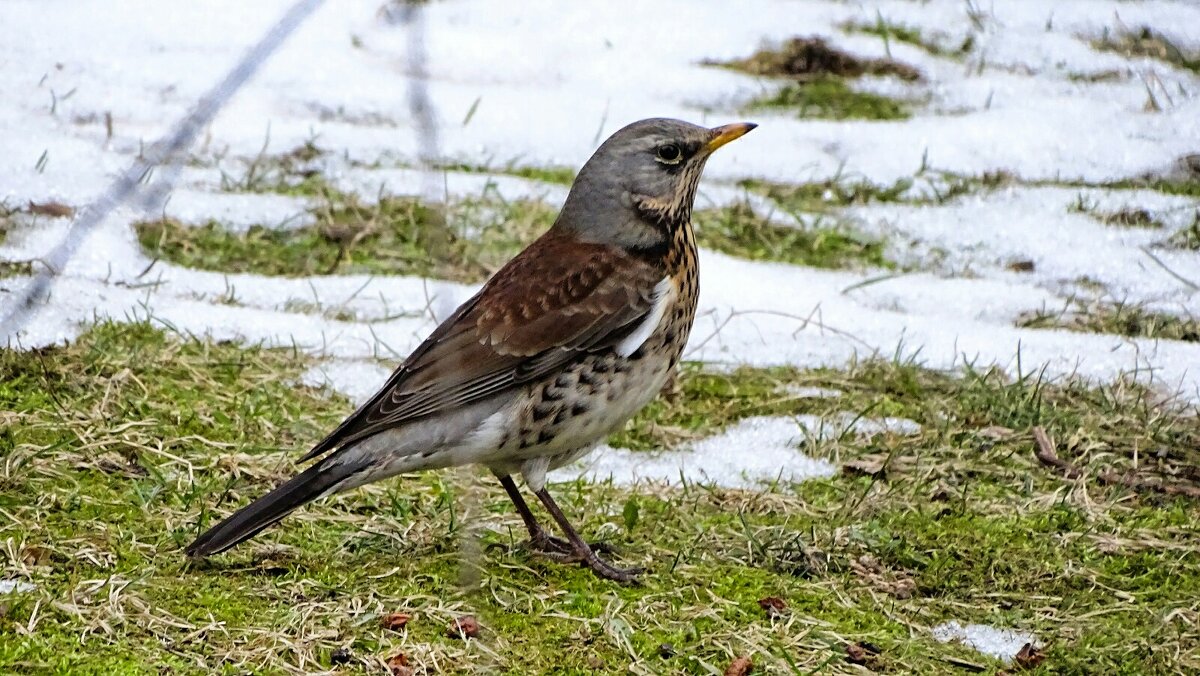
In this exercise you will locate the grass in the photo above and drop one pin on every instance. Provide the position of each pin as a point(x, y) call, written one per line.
point(738, 231)
point(120, 445)
point(15, 268)
point(556, 175)
point(1119, 319)
point(819, 74)
point(1125, 217)
point(394, 235)
point(467, 242)
point(1187, 238)
point(824, 196)
point(1145, 42)
point(832, 99)
point(909, 35)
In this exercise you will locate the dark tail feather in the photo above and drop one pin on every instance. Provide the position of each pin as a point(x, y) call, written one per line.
point(269, 509)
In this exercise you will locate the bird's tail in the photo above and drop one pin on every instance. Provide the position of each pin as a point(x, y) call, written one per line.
point(268, 510)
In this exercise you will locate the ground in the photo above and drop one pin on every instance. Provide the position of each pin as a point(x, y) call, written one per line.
point(939, 412)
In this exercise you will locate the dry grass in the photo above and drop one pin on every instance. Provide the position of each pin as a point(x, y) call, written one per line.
point(120, 446)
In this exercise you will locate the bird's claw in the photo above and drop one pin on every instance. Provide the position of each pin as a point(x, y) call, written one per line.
point(560, 550)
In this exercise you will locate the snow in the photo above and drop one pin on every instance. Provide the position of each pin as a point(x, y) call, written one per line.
point(18, 586)
point(547, 85)
point(1002, 644)
point(750, 453)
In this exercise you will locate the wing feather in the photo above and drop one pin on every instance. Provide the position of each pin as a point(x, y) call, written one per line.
point(555, 300)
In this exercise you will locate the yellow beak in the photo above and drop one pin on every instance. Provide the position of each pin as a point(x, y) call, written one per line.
point(727, 133)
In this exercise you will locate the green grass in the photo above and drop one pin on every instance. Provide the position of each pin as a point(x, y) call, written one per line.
point(15, 268)
point(738, 231)
point(1148, 43)
point(825, 196)
point(467, 242)
point(832, 99)
point(818, 87)
point(909, 35)
point(120, 445)
point(1119, 319)
point(555, 175)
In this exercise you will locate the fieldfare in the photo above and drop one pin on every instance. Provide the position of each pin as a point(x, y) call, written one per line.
point(557, 350)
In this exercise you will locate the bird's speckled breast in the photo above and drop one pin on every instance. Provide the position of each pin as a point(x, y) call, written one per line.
point(595, 395)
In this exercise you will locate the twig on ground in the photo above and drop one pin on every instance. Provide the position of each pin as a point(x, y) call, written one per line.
point(1045, 452)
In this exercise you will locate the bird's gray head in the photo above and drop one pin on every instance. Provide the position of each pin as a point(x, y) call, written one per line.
point(640, 184)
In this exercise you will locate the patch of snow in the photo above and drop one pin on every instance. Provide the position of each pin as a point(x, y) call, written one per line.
point(1002, 644)
point(18, 586)
point(750, 453)
point(357, 380)
point(810, 392)
point(544, 97)
point(237, 211)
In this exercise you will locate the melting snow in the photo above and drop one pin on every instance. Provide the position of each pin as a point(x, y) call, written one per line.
point(18, 586)
point(1002, 644)
point(1028, 109)
point(752, 452)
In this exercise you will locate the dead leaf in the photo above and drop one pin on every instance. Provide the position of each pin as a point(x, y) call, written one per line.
point(394, 621)
point(464, 627)
point(398, 665)
point(52, 209)
point(1029, 657)
point(739, 667)
point(773, 606)
point(862, 653)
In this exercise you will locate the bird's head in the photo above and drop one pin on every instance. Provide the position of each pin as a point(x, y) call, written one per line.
point(640, 185)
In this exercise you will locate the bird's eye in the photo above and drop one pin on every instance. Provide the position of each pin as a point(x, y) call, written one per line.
point(668, 154)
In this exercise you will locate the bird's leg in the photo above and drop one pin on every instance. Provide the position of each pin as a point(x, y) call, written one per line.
point(580, 550)
point(539, 539)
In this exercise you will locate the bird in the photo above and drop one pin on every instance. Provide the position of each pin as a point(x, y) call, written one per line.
point(557, 350)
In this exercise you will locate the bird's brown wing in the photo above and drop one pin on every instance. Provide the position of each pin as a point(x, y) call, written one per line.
point(556, 299)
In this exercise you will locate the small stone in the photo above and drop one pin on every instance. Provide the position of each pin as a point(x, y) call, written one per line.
point(341, 655)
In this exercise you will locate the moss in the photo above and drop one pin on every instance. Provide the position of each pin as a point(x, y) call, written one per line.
point(119, 446)
point(1118, 319)
point(814, 58)
point(15, 268)
point(737, 230)
point(832, 99)
point(819, 73)
point(467, 242)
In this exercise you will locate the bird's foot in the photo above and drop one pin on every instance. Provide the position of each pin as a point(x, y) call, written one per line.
point(561, 550)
